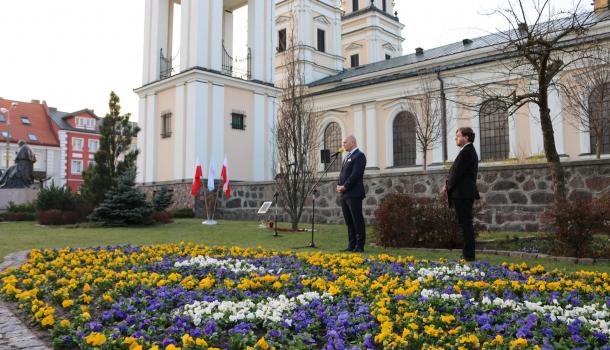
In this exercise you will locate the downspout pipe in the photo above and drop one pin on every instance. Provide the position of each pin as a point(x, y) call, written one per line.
point(443, 114)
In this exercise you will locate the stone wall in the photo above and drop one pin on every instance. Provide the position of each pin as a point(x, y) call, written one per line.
point(513, 195)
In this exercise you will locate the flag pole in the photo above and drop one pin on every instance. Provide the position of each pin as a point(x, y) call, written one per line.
point(215, 201)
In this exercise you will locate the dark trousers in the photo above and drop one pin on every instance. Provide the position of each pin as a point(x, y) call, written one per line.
point(352, 213)
point(463, 211)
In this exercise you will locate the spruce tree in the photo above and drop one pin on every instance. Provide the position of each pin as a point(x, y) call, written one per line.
point(163, 199)
point(115, 155)
point(124, 204)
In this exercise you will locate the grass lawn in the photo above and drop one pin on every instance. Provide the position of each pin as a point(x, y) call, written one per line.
point(15, 236)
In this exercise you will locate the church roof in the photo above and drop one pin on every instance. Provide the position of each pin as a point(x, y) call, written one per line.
point(349, 76)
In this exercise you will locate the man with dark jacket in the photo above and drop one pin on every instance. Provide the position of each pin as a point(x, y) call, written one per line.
point(461, 187)
point(352, 193)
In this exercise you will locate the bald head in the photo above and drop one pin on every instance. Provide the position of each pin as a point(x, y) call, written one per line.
point(349, 143)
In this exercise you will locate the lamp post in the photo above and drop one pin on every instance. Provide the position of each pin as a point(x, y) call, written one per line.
point(8, 130)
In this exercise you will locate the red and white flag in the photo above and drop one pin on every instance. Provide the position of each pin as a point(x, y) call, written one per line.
point(197, 179)
point(224, 175)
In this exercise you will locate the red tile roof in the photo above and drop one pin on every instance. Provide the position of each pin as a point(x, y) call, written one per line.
point(40, 123)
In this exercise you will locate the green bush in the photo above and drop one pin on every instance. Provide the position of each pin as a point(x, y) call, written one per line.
point(19, 212)
point(163, 199)
point(28, 208)
point(183, 213)
point(123, 205)
point(405, 221)
point(55, 197)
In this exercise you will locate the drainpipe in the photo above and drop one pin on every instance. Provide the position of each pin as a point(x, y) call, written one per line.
point(443, 114)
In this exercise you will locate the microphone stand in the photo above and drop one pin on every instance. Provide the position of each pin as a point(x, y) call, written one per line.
point(313, 191)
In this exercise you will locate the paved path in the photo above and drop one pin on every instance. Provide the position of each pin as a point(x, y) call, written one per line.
point(13, 333)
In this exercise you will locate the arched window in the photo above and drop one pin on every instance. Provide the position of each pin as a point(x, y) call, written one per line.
point(332, 142)
point(599, 118)
point(493, 123)
point(403, 140)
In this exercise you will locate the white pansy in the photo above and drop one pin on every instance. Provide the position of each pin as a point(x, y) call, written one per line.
point(269, 310)
point(231, 264)
point(448, 271)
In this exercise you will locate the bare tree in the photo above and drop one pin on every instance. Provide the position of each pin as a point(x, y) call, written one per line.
point(428, 122)
point(296, 133)
point(587, 96)
point(541, 43)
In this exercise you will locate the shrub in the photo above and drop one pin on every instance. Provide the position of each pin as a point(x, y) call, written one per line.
point(124, 204)
point(162, 217)
point(404, 221)
point(58, 217)
point(183, 213)
point(19, 212)
point(163, 199)
point(29, 207)
point(55, 197)
point(575, 222)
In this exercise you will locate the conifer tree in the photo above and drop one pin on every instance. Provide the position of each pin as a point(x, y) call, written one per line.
point(115, 155)
point(163, 199)
point(124, 204)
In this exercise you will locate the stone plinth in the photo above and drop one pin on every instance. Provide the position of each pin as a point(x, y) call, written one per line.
point(16, 195)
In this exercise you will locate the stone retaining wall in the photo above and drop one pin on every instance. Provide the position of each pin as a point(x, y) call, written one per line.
point(513, 195)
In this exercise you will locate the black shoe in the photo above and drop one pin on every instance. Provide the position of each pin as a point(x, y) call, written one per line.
point(347, 250)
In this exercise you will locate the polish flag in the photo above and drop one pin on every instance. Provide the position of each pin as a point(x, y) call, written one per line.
point(197, 179)
point(224, 175)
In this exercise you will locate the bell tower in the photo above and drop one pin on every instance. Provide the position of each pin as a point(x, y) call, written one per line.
point(370, 32)
point(316, 27)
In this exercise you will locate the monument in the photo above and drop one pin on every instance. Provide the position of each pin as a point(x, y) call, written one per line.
point(16, 181)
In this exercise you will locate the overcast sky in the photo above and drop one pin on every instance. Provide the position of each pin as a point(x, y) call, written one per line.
point(71, 53)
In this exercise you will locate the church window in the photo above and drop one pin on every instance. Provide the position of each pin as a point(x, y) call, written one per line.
point(493, 123)
point(166, 125)
point(599, 118)
point(355, 5)
point(332, 142)
point(384, 5)
point(387, 57)
point(403, 141)
point(355, 60)
point(321, 40)
point(281, 41)
point(237, 121)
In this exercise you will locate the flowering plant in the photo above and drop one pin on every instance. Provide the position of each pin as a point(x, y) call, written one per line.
point(189, 296)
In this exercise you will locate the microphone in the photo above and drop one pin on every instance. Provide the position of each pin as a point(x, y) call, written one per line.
point(339, 151)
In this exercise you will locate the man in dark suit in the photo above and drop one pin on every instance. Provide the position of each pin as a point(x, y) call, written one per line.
point(352, 193)
point(461, 187)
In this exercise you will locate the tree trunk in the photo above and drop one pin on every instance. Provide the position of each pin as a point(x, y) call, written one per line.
point(550, 150)
point(425, 161)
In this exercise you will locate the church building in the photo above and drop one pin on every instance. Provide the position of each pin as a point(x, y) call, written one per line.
point(200, 100)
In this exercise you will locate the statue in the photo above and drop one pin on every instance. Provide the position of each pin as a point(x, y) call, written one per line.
point(21, 174)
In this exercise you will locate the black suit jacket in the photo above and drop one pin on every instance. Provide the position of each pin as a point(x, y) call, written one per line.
point(351, 175)
point(462, 179)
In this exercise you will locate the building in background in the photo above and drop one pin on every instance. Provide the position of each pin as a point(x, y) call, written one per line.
point(29, 121)
point(79, 139)
point(64, 143)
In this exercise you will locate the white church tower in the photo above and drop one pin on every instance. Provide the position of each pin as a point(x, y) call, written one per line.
point(316, 25)
point(199, 99)
point(370, 32)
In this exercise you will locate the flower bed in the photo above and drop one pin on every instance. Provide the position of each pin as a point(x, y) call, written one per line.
point(196, 297)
